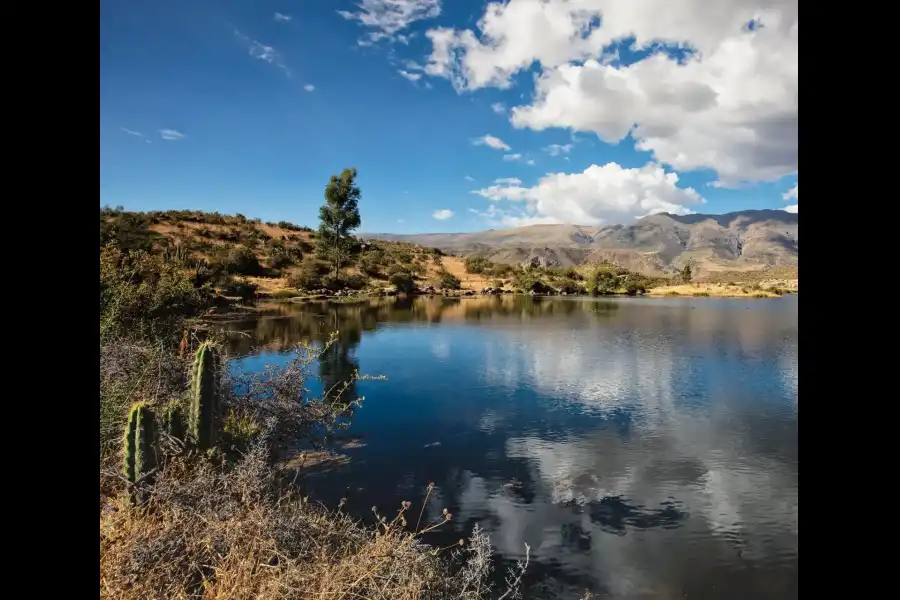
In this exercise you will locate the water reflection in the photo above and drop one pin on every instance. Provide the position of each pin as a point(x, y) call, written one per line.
point(642, 448)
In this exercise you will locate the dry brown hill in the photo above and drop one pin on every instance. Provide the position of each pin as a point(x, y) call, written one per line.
point(656, 245)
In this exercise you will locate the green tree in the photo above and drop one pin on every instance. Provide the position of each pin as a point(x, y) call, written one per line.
point(339, 216)
point(601, 281)
point(686, 273)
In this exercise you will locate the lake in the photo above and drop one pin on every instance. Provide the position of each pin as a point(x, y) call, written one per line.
point(642, 447)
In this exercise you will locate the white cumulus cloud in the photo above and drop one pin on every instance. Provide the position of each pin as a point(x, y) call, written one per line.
point(601, 194)
point(792, 194)
point(491, 142)
point(387, 18)
point(508, 181)
point(442, 214)
point(498, 107)
point(729, 103)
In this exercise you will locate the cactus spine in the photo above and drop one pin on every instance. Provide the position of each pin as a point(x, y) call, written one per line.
point(137, 444)
point(204, 398)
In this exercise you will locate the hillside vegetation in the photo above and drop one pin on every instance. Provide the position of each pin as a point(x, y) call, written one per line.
point(244, 257)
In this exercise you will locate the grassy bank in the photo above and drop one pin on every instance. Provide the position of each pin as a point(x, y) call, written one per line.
point(220, 515)
point(721, 290)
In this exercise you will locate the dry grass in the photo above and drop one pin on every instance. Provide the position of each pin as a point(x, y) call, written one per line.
point(714, 290)
point(214, 530)
point(230, 524)
point(457, 268)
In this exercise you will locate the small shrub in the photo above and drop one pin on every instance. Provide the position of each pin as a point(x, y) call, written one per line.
point(569, 286)
point(477, 265)
point(417, 269)
point(402, 281)
point(701, 294)
point(369, 267)
point(241, 289)
point(448, 281)
point(309, 277)
point(395, 268)
point(356, 282)
point(634, 285)
point(499, 271)
point(497, 284)
point(241, 261)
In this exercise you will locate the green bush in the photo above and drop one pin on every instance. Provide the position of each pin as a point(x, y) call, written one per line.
point(403, 281)
point(634, 285)
point(241, 289)
point(569, 286)
point(499, 271)
point(369, 266)
point(305, 280)
point(355, 282)
point(601, 281)
point(477, 265)
point(448, 281)
point(397, 268)
point(143, 293)
point(240, 260)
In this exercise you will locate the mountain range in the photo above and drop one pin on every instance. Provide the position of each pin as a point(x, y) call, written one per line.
point(656, 244)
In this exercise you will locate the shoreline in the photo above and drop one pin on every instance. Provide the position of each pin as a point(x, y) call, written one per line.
point(663, 292)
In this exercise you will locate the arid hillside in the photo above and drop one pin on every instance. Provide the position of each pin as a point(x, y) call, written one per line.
point(655, 245)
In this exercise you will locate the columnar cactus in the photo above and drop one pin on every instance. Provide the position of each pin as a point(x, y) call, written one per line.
point(173, 419)
point(139, 454)
point(204, 398)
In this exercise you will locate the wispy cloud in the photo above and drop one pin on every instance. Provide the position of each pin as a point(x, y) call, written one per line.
point(309, 87)
point(498, 107)
point(410, 76)
point(492, 142)
point(469, 178)
point(508, 181)
point(516, 157)
point(132, 132)
point(558, 149)
point(442, 214)
point(173, 135)
point(263, 52)
point(282, 18)
point(387, 18)
point(793, 193)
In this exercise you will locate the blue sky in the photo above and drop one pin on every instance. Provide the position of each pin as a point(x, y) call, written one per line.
point(555, 116)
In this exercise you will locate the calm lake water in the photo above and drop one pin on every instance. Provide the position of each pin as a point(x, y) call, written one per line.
point(643, 448)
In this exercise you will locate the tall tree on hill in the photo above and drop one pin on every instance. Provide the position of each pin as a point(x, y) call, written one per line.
point(339, 216)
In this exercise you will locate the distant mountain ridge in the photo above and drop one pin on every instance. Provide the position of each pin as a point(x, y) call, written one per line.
point(656, 244)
